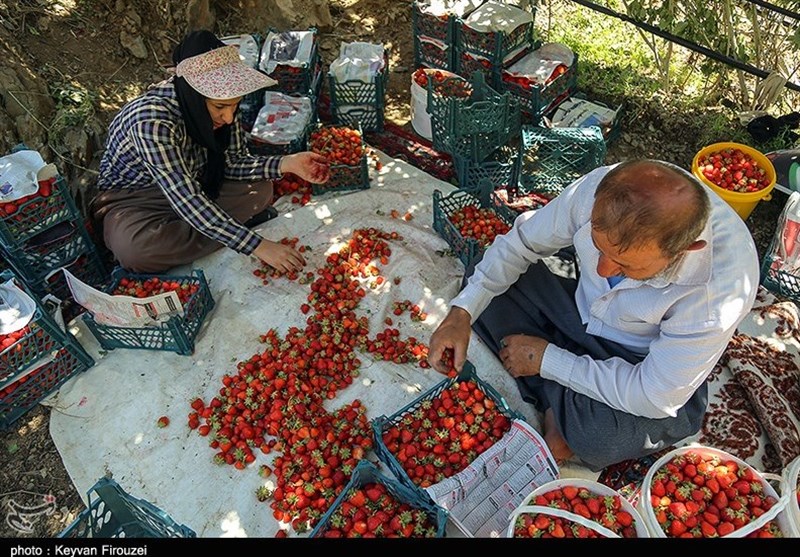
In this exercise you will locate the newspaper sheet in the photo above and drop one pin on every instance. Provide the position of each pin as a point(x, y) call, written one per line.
point(481, 498)
point(113, 310)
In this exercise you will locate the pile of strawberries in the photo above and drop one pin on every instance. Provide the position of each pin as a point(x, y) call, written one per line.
point(296, 188)
point(734, 170)
point(274, 400)
point(371, 511)
point(481, 224)
point(529, 83)
point(697, 495)
point(152, 286)
point(339, 144)
point(606, 510)
point(445, 433)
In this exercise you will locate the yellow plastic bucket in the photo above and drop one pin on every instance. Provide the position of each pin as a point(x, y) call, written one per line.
point(741, 202)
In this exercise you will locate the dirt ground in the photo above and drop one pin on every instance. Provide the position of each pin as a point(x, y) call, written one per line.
point(86, 48)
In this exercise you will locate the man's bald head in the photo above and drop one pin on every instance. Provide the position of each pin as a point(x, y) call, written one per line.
point(644, 201)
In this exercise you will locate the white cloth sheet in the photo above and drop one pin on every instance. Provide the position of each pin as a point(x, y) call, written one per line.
point(104, 420)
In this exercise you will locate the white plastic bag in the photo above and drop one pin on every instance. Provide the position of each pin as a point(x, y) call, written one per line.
point(248, 48)
point(539, 65)
point(282, 119)
point(494, 16)
point(18, 173)
point(358, 61)
point(16, 308)
point(290, 48)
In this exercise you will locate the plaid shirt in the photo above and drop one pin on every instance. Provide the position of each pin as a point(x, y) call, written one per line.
point(148, 147)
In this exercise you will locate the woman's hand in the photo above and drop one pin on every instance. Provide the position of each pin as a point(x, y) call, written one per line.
point(279, 256)
point(309, 166)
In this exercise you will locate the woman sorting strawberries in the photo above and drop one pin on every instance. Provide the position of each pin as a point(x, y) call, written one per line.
point(176, 179)
point(617, 358)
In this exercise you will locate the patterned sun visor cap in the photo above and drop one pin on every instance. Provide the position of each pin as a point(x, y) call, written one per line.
point(220, 74)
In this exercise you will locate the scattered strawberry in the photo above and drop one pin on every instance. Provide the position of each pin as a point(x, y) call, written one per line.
point(163, 421)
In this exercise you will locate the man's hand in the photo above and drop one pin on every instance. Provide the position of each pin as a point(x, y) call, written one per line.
point(454, 333)
point(279, 256)
point(522, 354)
point(309, 166)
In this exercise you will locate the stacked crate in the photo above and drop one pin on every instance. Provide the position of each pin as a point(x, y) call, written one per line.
point(433, 35)
point(44, 233)
point(36, 359)
point(304, 80)
point(357, 103)
point(479, 128)
point(489, 52)
point(476, 130)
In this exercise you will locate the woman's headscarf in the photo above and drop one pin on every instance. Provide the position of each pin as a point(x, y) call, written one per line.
point(195, 113)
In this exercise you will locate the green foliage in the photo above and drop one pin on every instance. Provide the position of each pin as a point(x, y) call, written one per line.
point(74, 108)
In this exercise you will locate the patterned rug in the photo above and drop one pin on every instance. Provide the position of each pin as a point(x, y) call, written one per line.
point(754, 397)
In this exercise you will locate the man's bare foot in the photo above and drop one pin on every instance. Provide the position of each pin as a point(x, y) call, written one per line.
point(557, 444)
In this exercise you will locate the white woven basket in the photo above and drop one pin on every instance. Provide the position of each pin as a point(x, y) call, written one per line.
point(775, 513)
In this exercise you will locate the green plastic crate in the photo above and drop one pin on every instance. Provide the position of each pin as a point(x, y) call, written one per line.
point(37, 215)
point(434, 55)
point(50, 250)
point(361, 103)
point(365, 473)
point(501, 169)
point(427, 25)
point(176, 334)
point(466, 249)
point(296, 80)
point(494, 45)
point(383, 423)
point(43, 338)
point(345, 177)
point(113, 513)
point(27, 389)
point(537, 101)
point(476, 126)
point(553, 158)
point(467, 63)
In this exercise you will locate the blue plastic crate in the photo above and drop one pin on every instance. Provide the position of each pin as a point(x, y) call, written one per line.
point(382, 424)
point(553, 158)
point(176, 334)
point(27, 389)
point(51, 249)
point(87, 266)
point(113, 513)
point(366, 473)
point(465, 248)
point(428, 25)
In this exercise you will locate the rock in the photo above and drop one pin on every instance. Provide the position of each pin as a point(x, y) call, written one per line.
point(200, 15)
point(133, 44)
